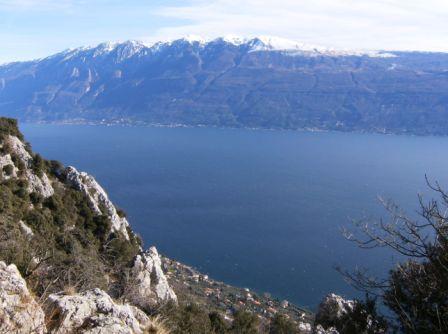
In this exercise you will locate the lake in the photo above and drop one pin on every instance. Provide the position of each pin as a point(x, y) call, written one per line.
point(254, 208)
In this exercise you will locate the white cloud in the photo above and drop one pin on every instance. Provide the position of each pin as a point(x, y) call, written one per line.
point(367, 24)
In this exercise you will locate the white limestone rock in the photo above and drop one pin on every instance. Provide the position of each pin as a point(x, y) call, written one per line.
point(18, 147)
point(41, 185)
point(6, 160)
point(26, 229)
point(333, 307)
point(320, 330)
point(148, 284)
point(19, 312)
point(305, 328)
point(94, 312)
point(99, 201)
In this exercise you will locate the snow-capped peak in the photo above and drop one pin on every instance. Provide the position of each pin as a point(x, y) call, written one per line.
point(269, 43)
point(130, 48)
point(195, 38)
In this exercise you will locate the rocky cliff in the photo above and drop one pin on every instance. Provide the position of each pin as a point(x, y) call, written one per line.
point(60, 232)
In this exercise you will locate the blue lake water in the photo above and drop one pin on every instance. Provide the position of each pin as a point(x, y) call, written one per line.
point(257, 209)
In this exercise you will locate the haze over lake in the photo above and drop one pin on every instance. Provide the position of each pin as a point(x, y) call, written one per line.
point(254, 208)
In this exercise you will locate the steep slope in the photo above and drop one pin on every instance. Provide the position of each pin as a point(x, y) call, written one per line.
point(261, 82)
point(61, 230)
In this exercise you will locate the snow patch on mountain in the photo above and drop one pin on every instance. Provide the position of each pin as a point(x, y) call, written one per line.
point(125, 50)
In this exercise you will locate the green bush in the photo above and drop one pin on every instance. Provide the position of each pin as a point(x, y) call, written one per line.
point(8, 169)
point(121, 213)
point(244, 323)
point(282, 325)
point(56, 168)
point(218, 324)
point(9, 126)
point(36, 198)
point(189, 319)
point(38, 165)
point(362, 319)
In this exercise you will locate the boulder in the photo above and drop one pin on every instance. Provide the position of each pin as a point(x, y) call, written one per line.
point(148, 284)
point(19, 312)
point(94, 312)
point(26, 229)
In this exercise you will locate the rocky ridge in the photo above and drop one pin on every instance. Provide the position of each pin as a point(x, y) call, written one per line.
point(99, 201)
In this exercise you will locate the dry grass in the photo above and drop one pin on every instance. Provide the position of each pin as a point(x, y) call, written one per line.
point(69, 290)
point(157, 326)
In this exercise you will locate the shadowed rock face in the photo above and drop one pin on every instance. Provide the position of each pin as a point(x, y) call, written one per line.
point(19, 312)
point(226, 84)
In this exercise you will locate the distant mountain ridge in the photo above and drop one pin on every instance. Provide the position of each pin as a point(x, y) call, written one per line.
point(261, 43)
point(261, 82)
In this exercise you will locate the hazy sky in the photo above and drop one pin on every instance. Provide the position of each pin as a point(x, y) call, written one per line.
point(36, 28)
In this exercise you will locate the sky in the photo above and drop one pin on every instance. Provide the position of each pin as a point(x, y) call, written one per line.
point(32, 29)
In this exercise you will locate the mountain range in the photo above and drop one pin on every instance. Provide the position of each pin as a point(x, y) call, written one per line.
point(232, 82)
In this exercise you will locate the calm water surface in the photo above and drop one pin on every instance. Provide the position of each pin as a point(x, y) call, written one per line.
point(258, 209)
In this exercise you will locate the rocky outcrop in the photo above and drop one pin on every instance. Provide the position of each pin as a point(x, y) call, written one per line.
point(320, 330)
point(333, 308)
point(99, 201)
point(148, 284)
point(336, 314)
point(39, 184)
point(18, 148)
point(19, 312)
point(5, 161)
point(94, 312)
